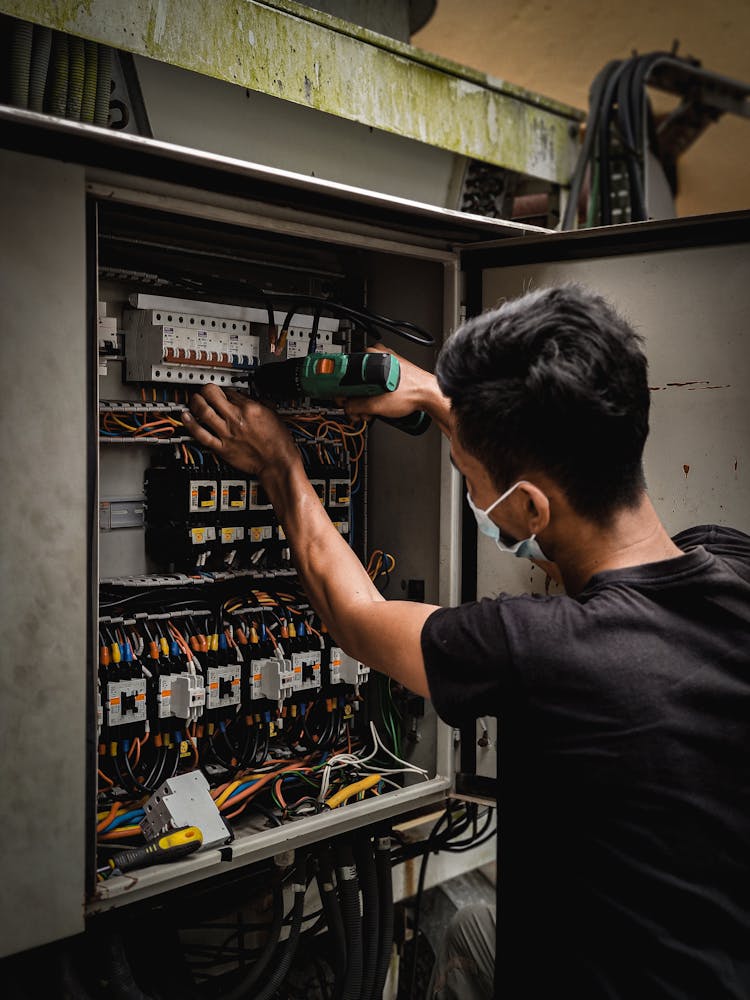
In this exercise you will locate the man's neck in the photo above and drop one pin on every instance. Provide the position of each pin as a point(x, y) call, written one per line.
point(634, 537)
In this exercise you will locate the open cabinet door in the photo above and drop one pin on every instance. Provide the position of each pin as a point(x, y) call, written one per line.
point(685, 287)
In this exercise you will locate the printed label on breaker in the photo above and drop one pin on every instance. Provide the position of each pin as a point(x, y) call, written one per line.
point(261, 533)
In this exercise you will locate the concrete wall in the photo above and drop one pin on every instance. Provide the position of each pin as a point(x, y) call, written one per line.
point(556, 48)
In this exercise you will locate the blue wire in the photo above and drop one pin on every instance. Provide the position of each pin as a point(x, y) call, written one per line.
point(241, 788)
point(124, 819)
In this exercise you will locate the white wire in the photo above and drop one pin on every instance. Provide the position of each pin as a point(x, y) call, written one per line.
point(379, 743)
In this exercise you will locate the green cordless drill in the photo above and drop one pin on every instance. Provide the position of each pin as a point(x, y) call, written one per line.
point(330, 376)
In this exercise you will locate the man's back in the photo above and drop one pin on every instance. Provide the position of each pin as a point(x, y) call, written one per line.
point(624, 762)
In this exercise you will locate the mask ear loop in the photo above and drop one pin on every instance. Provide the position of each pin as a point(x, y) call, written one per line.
point(504, 496)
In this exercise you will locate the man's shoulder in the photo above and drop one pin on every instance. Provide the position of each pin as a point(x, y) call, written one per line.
point(728, 544)
point(714, 537)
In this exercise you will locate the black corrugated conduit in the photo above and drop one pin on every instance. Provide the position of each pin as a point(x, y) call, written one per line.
point(39, 67)
point(368, 883)
point(57, 83)
point(244, 987)
point(384, 874)
point(103, 86)
point(348, 883)
point(90, 73)
point(76, 70)
point(20, 64)
point(121, 984)
point(330, 902)
point(283, 965)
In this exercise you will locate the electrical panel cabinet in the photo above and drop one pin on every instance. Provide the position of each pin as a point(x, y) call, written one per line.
point(170, 632)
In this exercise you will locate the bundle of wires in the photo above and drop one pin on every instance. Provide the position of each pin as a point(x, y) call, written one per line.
point(619, 114)
point(380, 565)
point(139, 424)
point(329, 440)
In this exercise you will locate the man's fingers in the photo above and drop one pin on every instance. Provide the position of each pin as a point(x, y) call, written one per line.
point(235, 396)
point(205, 412)
point(225, 407)
point(201, 435)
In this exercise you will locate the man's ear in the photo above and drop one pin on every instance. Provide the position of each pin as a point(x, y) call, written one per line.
point(536, 507)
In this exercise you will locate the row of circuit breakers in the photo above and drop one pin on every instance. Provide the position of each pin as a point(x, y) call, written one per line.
point(204, 516)
point(199, 513)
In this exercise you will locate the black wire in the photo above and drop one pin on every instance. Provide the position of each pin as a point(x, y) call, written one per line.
point(365, 317)
point(595, 97)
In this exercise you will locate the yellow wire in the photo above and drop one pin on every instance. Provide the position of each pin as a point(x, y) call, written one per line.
point(348, 791)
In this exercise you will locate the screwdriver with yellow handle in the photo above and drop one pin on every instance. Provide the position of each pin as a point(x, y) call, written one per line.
point(170, 846)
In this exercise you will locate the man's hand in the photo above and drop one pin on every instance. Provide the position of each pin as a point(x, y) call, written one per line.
point(417, 390)
point(245, 434)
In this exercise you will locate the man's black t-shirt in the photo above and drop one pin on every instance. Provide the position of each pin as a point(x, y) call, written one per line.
point(624, 773)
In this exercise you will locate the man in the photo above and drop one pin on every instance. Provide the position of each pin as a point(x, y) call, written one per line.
point(624, 758)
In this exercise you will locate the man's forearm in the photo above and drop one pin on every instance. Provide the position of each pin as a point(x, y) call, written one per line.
point(332, 575)
point(437, 405)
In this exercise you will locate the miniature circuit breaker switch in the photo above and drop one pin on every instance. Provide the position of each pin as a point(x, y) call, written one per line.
point(185, 800)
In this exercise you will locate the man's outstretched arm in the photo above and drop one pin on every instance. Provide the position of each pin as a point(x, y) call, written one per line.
point(383, 634)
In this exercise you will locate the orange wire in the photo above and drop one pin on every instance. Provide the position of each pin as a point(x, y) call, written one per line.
point(105, 778)
point(103, 824)
point(124, 831)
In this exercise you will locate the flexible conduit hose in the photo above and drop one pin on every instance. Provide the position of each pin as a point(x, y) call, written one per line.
point(346, 875)
point(330, 902)
point(368, 882)
point(90, 72)
point(245, 986)
point(384, 874)
point(76, 69)
point(71, 987)
point(285, 962)
point(39, 66)
point(20, 64)
point(121, 984)
point(58, 72)
point(103, 86)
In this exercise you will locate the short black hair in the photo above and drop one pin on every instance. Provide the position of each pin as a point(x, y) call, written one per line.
point(556, 382)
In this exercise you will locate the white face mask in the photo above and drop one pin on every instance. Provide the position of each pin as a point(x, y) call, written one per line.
point(528, 548)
